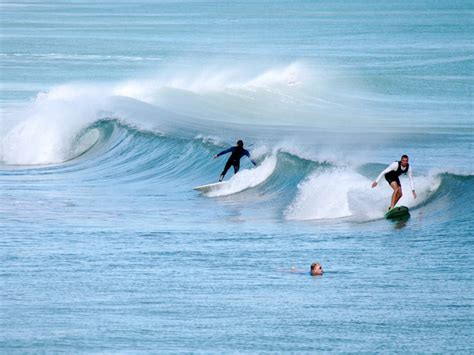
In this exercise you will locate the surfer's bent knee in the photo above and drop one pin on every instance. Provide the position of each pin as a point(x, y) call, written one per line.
point(395, 186)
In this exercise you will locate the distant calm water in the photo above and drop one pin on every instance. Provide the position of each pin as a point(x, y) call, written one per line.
point(111, 113)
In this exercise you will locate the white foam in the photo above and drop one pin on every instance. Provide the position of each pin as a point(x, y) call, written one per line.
point(342, 193)
point(289, 75)
point(209, 139)
point(247, 178)
point(46, 129)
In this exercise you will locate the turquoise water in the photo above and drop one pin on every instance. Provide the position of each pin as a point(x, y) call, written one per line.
point(110, 115)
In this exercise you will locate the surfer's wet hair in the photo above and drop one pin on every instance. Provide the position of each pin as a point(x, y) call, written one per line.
point(240, 143)
point(404, 156)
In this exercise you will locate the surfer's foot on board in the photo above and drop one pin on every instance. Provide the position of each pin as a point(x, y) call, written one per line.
point(221, 178)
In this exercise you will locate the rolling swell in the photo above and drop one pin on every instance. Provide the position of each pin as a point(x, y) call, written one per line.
point(452, 201)
point(109, 153)
point(91, 139)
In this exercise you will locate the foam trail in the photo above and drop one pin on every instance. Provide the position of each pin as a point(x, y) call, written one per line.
point(247, 178)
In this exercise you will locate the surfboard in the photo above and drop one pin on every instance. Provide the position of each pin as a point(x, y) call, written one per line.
point(210, 187)
point(397, 212)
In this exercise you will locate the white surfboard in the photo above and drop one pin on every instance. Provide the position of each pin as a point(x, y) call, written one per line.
point(210, 187)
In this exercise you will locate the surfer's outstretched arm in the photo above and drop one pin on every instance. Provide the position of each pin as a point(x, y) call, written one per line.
point(391, 167)
point(224, 152)
point(412, 183)
point(247, 153)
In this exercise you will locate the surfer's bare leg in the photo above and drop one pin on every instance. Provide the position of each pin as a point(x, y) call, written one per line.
point(397, 193)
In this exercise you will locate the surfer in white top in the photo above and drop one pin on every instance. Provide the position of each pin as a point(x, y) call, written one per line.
point(392, 173)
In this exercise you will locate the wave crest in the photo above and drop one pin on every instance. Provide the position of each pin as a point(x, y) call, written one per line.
point(247, 178)
point(344, 193)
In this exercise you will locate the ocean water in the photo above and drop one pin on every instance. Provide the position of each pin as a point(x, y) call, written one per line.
point(111, 112)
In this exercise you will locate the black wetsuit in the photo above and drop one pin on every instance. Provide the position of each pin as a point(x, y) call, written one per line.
point(234, 159)
point(393, 175)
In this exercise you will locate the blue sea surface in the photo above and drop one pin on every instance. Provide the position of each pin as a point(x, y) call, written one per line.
point(111, 113)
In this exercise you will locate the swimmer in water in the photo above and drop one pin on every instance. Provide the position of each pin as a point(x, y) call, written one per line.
point(315, 270)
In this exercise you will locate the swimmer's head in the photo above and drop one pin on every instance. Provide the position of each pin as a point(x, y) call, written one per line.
point(316, 269)
point(240, 143)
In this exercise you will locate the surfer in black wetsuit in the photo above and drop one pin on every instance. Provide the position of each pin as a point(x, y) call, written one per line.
point(392, 173)
point(234, 160)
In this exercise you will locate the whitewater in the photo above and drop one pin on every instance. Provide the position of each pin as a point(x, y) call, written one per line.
point(110, 115)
